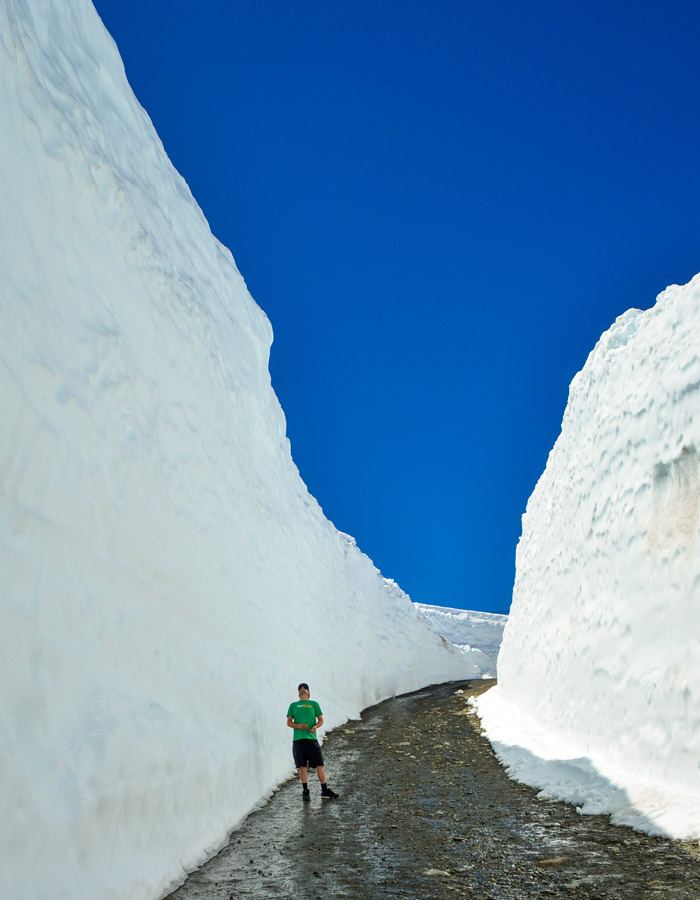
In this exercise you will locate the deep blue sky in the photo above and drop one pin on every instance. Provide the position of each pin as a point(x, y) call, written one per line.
point(440, 206)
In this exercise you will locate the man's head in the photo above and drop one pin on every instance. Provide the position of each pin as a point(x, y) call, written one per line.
point(304, 692)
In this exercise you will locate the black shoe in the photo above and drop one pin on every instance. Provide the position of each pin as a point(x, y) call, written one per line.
point(328, 794)
point(305, 795)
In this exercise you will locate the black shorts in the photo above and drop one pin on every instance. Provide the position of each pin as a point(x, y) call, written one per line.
point(307, 752)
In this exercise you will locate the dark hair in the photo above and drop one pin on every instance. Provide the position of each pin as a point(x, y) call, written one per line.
point(303, 685)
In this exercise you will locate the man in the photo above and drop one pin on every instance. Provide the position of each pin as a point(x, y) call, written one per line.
point(305, 717)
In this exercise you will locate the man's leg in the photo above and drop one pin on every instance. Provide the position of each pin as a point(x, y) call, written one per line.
point(300, 761)
point(305, 788)
point(325, 790)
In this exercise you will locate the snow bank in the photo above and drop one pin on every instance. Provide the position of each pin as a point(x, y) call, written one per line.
point(477, 634)
point(167, 579)
point(598, 698)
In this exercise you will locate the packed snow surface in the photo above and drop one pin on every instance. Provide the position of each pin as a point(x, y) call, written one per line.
point(598, 696)
point(167, 579)
point(478, 634)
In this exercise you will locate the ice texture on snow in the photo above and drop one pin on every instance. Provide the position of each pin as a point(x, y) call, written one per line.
point(166, 577)
point(477, 634)
point(598, 699)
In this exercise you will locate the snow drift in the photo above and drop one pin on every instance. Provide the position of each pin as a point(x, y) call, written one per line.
point(478, 634)
point(598, 698)
point(166, 577)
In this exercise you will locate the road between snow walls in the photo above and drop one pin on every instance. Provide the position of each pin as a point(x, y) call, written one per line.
point(427, 812)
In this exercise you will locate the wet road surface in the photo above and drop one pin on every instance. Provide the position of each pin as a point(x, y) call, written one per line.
point(425, 812)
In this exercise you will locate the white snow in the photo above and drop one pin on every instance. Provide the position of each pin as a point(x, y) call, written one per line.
point(477, 634)
point(166, 577)
point(598, 699)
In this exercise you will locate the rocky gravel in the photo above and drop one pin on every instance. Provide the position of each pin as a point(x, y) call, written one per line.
point(426, 811)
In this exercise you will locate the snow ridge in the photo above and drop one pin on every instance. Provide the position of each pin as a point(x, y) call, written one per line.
point(477, 634)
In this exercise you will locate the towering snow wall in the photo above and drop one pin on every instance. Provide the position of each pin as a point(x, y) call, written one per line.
point(598, 698)
point(166, 577)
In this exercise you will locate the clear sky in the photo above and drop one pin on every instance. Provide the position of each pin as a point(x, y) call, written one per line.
point(440, 206)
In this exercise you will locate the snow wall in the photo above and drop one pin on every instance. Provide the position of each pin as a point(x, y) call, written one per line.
point(598, 699)
point(166, 577)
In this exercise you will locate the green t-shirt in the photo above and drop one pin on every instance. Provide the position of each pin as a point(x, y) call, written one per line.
point(304, 712)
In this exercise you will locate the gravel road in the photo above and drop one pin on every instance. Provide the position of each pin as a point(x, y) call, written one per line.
point(426, 811)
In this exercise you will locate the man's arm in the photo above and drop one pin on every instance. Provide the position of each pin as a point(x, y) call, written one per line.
point(319, 722)
point(299, 726)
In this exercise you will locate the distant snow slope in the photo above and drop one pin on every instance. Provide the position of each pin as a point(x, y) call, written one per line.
point(598, 699)
point(477, 634)
point(166, 577)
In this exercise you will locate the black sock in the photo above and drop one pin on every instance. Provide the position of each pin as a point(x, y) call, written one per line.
point(304, 785)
